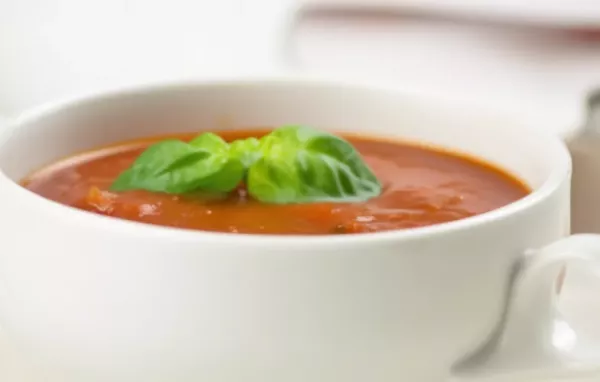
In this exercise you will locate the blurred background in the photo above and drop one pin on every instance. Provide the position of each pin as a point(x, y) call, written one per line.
point(538, 59)
point(535, 58)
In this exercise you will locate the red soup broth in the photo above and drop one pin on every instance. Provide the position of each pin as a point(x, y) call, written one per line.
point(421, 187)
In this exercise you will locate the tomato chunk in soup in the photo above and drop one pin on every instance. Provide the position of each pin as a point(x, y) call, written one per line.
point(421, 187)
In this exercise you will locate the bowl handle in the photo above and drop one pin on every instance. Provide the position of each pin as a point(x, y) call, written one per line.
point(584, 146)
point(533, 340)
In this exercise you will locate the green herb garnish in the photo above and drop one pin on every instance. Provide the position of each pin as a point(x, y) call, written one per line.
point(292, 164)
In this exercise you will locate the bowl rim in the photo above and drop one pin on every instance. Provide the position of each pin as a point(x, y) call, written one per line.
point(116, 226)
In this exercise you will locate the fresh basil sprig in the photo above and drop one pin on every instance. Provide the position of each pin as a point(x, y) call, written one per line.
point(176, 167)
point(292, 164)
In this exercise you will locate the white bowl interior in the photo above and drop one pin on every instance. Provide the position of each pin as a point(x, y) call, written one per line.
point(60, 131)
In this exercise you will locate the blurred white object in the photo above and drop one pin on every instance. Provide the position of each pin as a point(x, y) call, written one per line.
point(564, 13)
point(540, 73)
point(585, 151)
point(54, 48)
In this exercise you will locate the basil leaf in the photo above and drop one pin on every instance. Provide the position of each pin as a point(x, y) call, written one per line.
point(302, 165)
point(177, 167)
point(292, 164)
point(246, 150)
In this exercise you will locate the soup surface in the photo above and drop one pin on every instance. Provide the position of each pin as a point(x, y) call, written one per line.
point(421, 187)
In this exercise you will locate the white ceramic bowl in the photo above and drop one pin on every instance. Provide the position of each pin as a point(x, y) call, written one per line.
point(99, 299)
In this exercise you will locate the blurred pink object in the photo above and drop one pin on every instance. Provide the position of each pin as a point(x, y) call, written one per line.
point(572, 14)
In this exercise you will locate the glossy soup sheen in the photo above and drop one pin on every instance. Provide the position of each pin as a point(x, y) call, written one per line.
point(421, 187)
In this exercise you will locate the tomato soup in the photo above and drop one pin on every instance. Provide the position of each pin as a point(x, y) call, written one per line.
point(420, 187)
